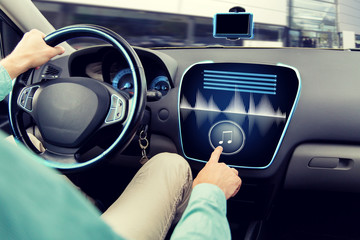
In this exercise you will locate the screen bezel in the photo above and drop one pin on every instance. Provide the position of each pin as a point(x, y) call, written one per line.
point(200, 149)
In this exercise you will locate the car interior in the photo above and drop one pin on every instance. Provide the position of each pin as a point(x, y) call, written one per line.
point(287, 119)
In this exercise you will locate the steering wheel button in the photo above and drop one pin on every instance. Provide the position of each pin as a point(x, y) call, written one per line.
point(114, 100)
point(119, 104)
point(22, 101)
point(118, 115)
point(111, 116)
point(28, 105)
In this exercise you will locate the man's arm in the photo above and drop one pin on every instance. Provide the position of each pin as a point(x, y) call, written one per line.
point(31, 52)
point(5, 83)
point(205, 216)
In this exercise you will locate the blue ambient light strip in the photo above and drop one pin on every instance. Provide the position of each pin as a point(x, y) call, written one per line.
point(240, 82)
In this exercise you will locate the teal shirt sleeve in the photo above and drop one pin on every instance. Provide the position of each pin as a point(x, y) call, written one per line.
point(205, 215)
point(5, 83)
point(36, 203)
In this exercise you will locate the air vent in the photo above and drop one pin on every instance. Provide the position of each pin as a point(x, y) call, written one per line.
point(51, 72)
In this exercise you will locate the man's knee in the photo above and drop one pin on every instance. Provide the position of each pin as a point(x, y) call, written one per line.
point(167, 161)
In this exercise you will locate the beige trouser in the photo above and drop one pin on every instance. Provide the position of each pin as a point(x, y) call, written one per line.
point(156, 197)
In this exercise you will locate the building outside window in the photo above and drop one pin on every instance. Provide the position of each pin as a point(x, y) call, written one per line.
point(313, 23)
point(278, 23)
point(357, 41)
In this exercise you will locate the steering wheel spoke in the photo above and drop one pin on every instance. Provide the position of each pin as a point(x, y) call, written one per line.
point(59, 159)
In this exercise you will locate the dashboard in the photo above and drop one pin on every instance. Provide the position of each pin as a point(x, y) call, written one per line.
point(106, 64)
point(296, 128)
point(302, 99)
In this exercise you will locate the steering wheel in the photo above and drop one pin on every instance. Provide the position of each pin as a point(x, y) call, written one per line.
point(74, 113)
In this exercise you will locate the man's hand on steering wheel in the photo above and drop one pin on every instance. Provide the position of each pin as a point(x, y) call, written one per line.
point(31, 52)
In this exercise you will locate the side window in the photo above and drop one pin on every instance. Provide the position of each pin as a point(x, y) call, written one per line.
point(10, 35)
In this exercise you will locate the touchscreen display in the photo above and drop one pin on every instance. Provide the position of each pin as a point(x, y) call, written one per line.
point(245, 108)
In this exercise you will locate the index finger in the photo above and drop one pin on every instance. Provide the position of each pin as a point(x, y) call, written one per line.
point(215, 156)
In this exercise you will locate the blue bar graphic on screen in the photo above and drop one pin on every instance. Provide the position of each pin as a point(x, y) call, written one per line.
point(240, 82)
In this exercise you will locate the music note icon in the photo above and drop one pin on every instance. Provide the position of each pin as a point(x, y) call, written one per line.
point(226, 135)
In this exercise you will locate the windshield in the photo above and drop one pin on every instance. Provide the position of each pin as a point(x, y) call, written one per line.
point(183, 23)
